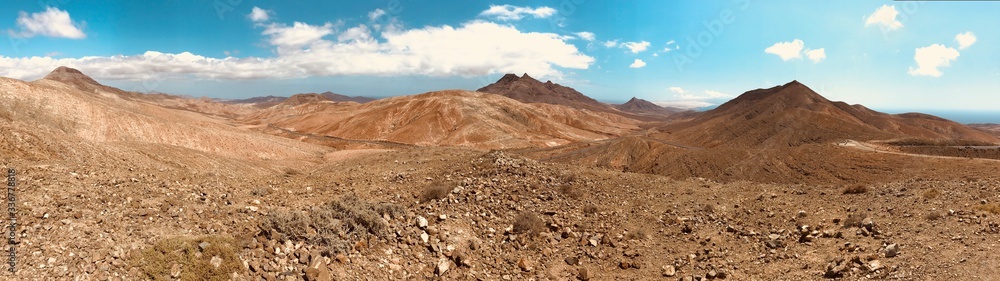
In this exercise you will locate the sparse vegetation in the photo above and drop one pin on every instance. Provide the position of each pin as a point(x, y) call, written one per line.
point(638, 234)
point(856, 189)
point(590, 209)
point(194, 261)
point(571, 191)
point(337, 224)
point(991, 208)
point(931, 194)
point(528, 222)
point(435, 191)
point(854, 220)
point(933, 215)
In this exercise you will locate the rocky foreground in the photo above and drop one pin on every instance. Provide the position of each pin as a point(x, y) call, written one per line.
point(434, 213)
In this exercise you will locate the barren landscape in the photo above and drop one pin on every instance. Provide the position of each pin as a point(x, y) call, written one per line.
point(505, 183)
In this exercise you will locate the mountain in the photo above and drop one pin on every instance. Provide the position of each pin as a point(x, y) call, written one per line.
point(793, 114)
point(448, 118)
point(342, 98)
point(69, 116)
point(530, 90)
point(641, 106)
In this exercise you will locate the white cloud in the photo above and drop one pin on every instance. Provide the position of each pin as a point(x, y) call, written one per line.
point(965, 39)
point(671, 46)
point(611, 43)
point(50, 23)
point(638, 63)
point(686, 100)
point(635, 47)
point(932, 57)
point(298, 35)
point(816, 55)
point(374, 15)
point(259, 15)
point(509, 12)
point(303, 50)
point(589, 36)
point(885, 16)
point(682, 104)
point(787, 50)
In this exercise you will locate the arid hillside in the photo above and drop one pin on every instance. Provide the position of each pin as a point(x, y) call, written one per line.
point(447, 118)
point(641, 106)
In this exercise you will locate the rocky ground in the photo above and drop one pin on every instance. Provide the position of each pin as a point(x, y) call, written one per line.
point(445, 213)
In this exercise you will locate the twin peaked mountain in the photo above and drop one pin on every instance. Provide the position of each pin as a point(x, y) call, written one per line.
point(517, 112)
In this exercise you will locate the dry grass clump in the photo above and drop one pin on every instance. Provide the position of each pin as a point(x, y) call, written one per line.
point(435, 191)
point(854, 220)
point(991, 208)
point(336, 224)
point(638, 234)
point(931, 194)
point(195, 262)
point(590, 209)
point(856, 189)
point(933, 215)
point(571, 191)
point(528, 222)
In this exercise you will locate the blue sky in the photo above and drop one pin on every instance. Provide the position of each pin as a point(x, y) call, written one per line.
point(887, 55)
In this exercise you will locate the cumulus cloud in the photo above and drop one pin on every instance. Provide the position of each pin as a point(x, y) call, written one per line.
point(965, 40)
point(259, 15)
point(686, 100)
point(589, 36)
point(683, 104)
point(929, 59)
point(816, 55)
point(638, 63)
point(885, 17)
point(52, 22)
point(611, 43)
point(514, 13)
point(787, 50)
point(794, 50)
point(635, 47)
point(303, 50)
point(374, 15)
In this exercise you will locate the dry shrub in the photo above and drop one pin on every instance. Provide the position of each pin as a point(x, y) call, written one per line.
point(933, 215)
point(335, 225)
point(931, 194)
point(571, 191)
point(637, 234)
point(708, 208)
point(590, 209)
point(991, 208)
point(435, 191)
point(528, 222)
point(195, 263)
point(854, 220)
point(856, 189)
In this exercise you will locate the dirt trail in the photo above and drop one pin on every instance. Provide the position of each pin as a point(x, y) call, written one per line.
point(866, 146)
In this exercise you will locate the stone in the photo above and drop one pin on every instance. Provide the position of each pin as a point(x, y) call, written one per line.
point(216, 261)
point(443, 217)
point(341, 258)
point(584, 274)
point(892, 250)
point(525, 264)
point(712, 274)
point(203, 245)
point(874, 265)
point(668, 271)
point(572, 261)
point(802, 213)
point(175, 270)
point(442, 266)
point(424, 237)
point(773, 241)
point(421, 222)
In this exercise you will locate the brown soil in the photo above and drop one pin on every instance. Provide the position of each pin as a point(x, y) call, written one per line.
point(120, 188)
